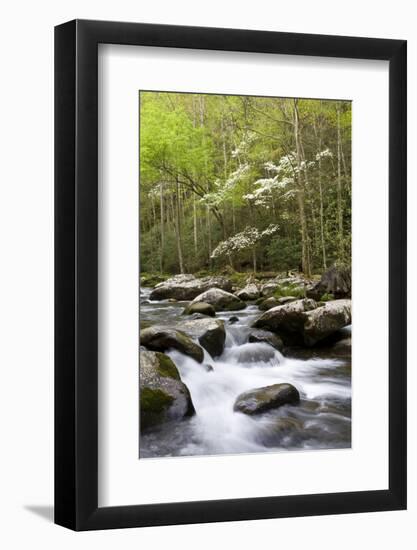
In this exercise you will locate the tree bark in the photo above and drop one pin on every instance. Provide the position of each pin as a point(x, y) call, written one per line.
point(318, 132)
point(339, 185)
point(209, 235)
point(161, 262)
point(178, 229)
point(305, 254)
point(195, 229)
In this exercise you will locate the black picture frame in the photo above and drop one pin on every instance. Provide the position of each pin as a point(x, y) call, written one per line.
point(76, 272)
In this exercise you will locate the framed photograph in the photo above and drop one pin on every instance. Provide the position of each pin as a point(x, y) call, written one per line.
point(230, 252)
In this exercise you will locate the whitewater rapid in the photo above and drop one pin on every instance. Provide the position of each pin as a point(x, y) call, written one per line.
point(321, 420)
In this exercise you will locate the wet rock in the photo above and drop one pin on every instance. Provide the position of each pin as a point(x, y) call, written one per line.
point(342, 348)
point(233, 320)
point(187, 287)
point(163, 396)
point(306, 320)
point(286, 300)
point(158, 338)
point(267, 337)
point(252, 353)
point(288, 317)
point(210, 334)
point(326, 320)
point(269, 287)
point(336, 281)
point(200, 307)
point(208, 368)
point(264, 399)
point(220, 300)
point(249, 293)
point(269, 303)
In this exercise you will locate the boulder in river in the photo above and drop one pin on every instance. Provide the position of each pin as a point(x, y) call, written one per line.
point(220, 300)
point(252, 353)
point(200, 307)
point(187, 287)
point(267, 337)
point(263, 399)
point(288, 317)
point(306, 320)
point(248, 293)
point(163, 396)
point(210, 333)
point(286, 300)
point(159, 338)
point(336, 281)
point(269, 287)
point(269, 303)
point(326, 320)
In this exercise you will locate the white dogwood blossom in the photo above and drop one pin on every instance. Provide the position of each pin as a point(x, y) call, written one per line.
point(224, 188)
point(285, 173)
point(244, 240)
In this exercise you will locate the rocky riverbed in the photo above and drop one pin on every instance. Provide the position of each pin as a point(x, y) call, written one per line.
point(221, 372)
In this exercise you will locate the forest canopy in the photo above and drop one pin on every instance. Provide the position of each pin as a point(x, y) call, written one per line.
point(244, 183)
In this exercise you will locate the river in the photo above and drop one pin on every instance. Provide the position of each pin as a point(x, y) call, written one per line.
point(322, 376)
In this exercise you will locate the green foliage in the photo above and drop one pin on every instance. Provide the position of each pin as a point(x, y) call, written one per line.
point(289, 290)
point(326, 297)
point(213, 166)
point(152, 279)
point(283, 253)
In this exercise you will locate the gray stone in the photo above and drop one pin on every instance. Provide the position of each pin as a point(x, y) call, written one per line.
point(159, 338)
point(220, 300)
point(187, 287)
point(306, 319)
point(336, 281)
point(265, 336)
point(210, 333)
point(249, 293)
point(263, 399)
point(200, 307)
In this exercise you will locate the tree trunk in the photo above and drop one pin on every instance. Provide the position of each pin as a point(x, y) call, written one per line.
point(161, 262)
point(178, 229)
point(339, 186)
point(318, 133)
point(195, 229)
point(305, 254)
point(209, 235)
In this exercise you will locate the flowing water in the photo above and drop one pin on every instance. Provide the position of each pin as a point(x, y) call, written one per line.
point(321, 420)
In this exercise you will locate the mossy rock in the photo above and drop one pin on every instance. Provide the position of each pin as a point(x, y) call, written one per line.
point(152, 279)
point(163, 396)
point(154, 401)
point(159, 338)
point(167, 367)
